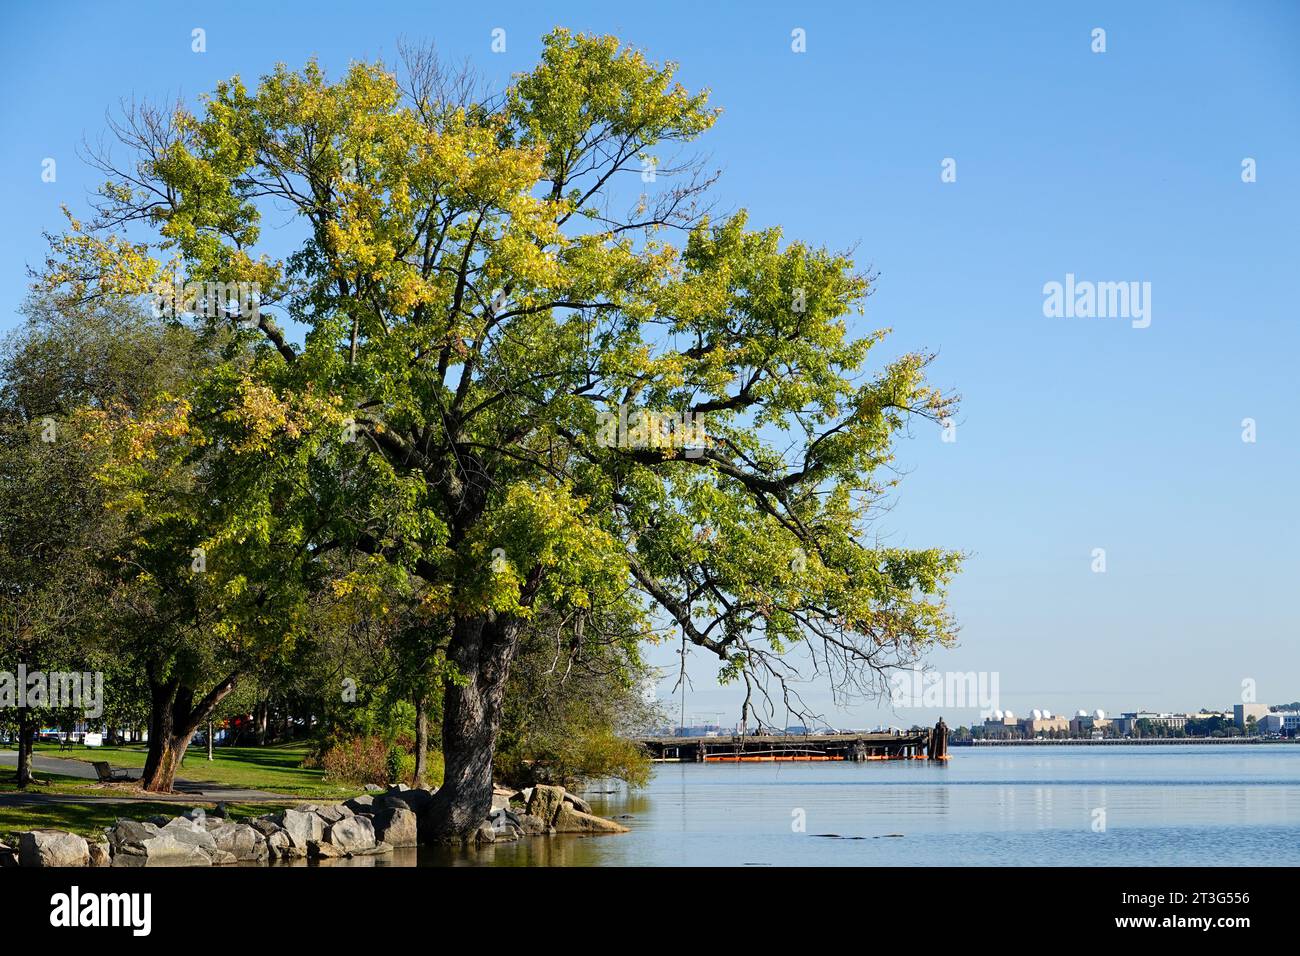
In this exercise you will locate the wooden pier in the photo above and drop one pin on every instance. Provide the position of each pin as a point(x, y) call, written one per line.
point(774, 748)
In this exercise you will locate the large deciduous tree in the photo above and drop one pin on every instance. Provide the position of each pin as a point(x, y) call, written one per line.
point(55, 528)
point(546, 402)
point(75, 590)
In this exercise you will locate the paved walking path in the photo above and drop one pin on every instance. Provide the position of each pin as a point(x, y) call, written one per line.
point(186, 790)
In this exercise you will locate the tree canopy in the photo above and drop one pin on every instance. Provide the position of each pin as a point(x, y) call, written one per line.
point(528, 381)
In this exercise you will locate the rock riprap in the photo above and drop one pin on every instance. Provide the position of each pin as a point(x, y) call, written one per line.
point(364, 826)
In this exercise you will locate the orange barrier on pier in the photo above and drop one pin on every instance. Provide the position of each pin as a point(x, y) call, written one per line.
point(766, 758)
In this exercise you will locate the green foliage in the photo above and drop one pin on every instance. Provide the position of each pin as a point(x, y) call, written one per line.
point(571, 755)
point(577, 691)
point(436, 451)
point(56, 526)
point(362, 760)
point(358, 760)
point(393, 763)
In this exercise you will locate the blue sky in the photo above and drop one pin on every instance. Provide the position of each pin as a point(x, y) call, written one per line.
point(1074, 433)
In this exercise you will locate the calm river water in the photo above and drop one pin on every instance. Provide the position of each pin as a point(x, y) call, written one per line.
point(1059, 806)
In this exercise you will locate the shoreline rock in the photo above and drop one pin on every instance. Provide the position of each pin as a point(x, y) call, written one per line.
point(371, 825)
point(569, 820)
point(51, 848)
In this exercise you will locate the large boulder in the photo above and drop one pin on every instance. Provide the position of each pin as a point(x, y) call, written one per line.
point(418, 799)
point(505, 825)
point(321, 850)
point(545, 802)
point(332, 813)
point(46, 848)
point(397, 827)
point(362, 804)
point(569, 820)
point(241, 842)
point(265, 826)
point(352, 834)
point(8, 855)
point(390, 801)
point(187, 824)
point(577, 802)
point(280, 846)
point(170, 846)
point(533, 826)
point(301, 827)
point(129, 831)
point(190, 832)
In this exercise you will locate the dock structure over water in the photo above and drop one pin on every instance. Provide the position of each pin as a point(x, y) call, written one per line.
point(765, 748)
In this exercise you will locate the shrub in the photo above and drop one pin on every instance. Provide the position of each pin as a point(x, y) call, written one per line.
point(393, 764)
point(573, 759)
point(374, 760)
point(358, 760)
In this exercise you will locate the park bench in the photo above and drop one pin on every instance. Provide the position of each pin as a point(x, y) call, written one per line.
point(107, 774)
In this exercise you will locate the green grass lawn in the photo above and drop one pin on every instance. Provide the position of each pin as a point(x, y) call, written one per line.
point(276, 769)
point(89, 819)
point(59, 784)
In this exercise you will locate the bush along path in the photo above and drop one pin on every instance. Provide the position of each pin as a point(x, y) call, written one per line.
point(368, 825)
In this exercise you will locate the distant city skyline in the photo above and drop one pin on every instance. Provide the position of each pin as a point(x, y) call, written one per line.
point(696, 720)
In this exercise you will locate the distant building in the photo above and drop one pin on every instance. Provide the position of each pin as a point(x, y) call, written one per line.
point(1033, 726)
point(1128, 723)
point(1243, 712)
point(1172, 721)
point(1001, 726)
point(1089, 725)
point(1282, 722)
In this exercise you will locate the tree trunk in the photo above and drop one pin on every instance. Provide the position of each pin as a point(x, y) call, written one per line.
point(421, 742)
point(26, 740)
point(164, 757)
point(161, 760)
point(481, 649)
point(173, 719)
